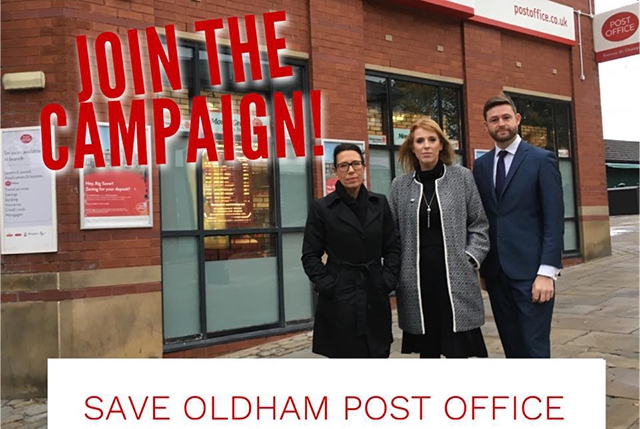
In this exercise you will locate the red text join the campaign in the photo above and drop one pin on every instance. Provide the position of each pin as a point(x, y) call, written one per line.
point(163, 56)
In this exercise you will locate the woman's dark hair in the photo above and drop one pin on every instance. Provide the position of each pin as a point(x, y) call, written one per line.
point(344, 147)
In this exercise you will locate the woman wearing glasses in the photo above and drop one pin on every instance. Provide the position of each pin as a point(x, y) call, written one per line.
point(444, 235)
point(356, 231)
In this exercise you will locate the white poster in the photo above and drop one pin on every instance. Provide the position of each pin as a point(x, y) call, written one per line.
point(28, 203)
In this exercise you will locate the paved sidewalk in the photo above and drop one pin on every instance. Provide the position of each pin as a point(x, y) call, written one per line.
point(596, 315)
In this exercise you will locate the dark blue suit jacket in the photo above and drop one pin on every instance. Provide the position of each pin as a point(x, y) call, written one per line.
point(527, 224)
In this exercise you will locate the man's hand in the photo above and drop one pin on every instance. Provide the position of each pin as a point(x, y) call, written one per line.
point(542, 290)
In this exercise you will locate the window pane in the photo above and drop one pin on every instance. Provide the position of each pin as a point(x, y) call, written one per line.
point(380, 171)
point(566, 170)
point(410, 101)
point(570, 236)
point(227, 73)
point(377, 112)
point(238, 193)
point(180, 300)
point(293, 191)
point(241, 281)
point(293, 180)
point(457, 159)
point(181, 97)
point(399, 170)
point(298, 299)
point(563, 130)
point(224, 69)
point(536, 126)
point(287, 85)
point(178, 188)
point(451, 124)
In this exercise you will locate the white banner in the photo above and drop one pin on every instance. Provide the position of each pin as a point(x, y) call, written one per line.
point(545, 19)
point(28, 204)
point(616, 34)
point(326, 394)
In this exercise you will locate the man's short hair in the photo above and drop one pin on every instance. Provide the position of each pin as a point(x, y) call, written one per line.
point(498, 100)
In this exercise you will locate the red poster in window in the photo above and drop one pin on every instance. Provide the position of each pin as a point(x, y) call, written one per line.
point(110, 193)
point(116, 197)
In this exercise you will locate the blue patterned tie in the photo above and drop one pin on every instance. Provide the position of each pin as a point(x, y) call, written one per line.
point(501, 175)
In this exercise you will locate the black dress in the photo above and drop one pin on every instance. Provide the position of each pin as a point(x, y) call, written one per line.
point(439, 338)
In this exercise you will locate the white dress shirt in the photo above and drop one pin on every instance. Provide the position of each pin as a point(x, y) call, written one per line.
point(508, 158)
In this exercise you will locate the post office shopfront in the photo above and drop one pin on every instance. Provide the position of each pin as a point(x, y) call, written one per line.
point(219, 268)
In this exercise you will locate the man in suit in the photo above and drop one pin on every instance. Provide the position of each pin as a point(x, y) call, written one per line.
point(521, 189)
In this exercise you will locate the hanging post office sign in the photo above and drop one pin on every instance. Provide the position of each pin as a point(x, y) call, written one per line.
point(616, 34)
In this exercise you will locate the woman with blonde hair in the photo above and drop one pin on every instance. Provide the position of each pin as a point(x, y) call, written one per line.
point(444, 236)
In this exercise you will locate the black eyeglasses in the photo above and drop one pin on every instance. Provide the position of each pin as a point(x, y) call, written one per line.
point(344, 166)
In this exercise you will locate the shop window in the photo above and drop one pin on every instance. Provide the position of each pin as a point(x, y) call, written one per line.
point(178, 191)
point(393, 104)
point(179, 188)
point(547, 124)
point(241, 281)
point(180, 294)
point(232, 230)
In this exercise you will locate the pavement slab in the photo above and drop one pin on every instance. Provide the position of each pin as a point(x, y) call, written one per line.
point(622, 360)
point(563, 336)
point(609, 342)
point(623, 383)
point(621, 413)
point(617, 325)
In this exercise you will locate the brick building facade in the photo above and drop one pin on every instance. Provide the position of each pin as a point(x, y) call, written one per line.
point(105, 292)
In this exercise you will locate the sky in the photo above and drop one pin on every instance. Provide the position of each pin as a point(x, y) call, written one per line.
point(619, 88)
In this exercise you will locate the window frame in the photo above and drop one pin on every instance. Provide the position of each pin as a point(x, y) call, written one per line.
point(517, 99)
point(282, 326)
point(390, 147)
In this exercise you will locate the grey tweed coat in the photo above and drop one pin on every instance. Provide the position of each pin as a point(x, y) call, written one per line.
point(466, 242)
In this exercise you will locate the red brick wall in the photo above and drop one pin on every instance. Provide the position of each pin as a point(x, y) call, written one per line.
point(483, 76)
point(184, 13)
point(340, 37)
point(416, 35)
point(40, 35)
point(490, 65)
point(587, 112)
point(538, 59)
point(337, 70)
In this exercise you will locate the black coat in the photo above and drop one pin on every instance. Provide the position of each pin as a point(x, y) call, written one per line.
point(354, 285)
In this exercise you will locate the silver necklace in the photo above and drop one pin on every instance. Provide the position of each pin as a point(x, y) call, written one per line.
point(428, 204)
